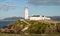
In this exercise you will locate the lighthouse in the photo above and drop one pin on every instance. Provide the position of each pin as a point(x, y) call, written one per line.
point(26, 12)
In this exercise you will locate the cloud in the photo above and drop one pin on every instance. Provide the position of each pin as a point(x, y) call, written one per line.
point(10, 1)
point(44, 2)
point(6, 6)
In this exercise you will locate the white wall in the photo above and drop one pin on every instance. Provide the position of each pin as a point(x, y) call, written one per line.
point(39, 18)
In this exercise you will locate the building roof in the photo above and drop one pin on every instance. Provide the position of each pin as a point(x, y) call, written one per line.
point(36, 16)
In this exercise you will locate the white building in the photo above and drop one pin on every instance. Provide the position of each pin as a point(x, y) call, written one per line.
point(26, 12)
point(34, 17)
point(38, 17)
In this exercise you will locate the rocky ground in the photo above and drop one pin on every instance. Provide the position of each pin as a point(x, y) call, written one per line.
point(30, 26)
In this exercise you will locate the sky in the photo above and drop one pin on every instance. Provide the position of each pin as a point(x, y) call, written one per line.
point(12, 8)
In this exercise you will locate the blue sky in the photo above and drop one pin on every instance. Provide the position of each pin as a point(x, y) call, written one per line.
point(10, 8)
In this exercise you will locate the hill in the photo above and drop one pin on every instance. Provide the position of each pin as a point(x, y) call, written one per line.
point(56, 18)
point(13, 18)
point(31, 26)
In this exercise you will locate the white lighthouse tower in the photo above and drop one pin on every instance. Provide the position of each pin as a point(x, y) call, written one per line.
point(26, 12)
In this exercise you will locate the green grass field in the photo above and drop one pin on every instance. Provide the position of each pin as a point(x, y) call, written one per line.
point(29, 34)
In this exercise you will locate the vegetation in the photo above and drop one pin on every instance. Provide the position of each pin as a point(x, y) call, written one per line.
point(2, 34)
point(36, 27)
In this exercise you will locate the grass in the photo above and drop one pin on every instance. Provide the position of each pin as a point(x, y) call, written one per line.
point(2, 34)
point(22, 34)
